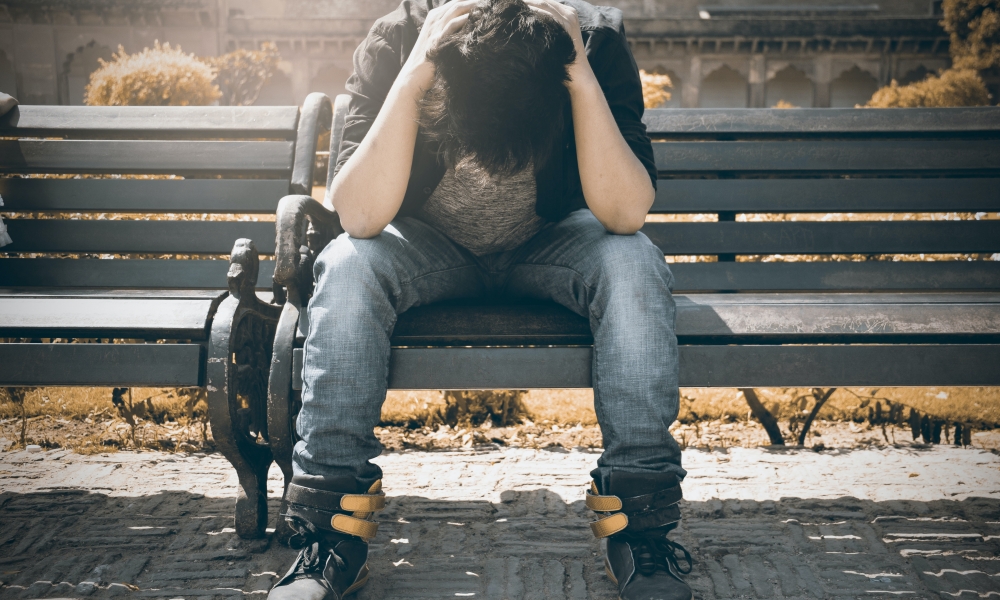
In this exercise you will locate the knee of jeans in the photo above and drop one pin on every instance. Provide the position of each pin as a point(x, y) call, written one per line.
point(347, 258)
point(632, 260)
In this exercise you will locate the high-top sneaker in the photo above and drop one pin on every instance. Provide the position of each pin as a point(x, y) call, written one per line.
point(332, 525)
point(637, 512)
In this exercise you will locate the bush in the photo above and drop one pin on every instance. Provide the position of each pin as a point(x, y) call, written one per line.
point(974, 28)
point(242, 74)
point(654, 88)
point(955, 87)
point(158, 76)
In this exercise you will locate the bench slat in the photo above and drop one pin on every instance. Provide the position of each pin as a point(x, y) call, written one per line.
point(811, 237)
point(826, 195)
point(147, 196)
point(721, 318)
point(700, 366)
point(217, 237)
point(840, 156)
point(151, 121)
point(149, 157)
point(836, 276)
point(826, 121)
point(690, 277)
point(129, 365)
point(188, 237)
point(122, 274)
point(147, 318)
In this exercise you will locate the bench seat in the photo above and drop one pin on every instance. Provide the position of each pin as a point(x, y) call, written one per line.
point(725, 340)
point(97, 313)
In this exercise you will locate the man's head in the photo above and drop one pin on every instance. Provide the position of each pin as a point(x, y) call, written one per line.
point(499, 92)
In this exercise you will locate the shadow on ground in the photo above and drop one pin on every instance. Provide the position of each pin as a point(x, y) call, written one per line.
point(67, 543)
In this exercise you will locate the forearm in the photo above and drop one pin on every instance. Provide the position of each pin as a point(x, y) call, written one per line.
point(615, 184)
point(369, 189)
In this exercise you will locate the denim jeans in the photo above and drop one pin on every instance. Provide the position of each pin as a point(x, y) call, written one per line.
point(619, 282)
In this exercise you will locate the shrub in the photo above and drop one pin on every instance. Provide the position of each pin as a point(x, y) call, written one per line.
point(158, 76)
point(654, 88)
point(242, 74)
point(974, 28)
point(955, 87)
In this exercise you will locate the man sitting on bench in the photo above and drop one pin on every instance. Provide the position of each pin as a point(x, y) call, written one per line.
point(492, 149)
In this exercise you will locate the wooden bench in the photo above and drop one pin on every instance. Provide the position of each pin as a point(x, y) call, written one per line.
point(146, 292)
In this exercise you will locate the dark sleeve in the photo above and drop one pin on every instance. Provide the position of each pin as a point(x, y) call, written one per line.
point(611, 59)
point(376, 65)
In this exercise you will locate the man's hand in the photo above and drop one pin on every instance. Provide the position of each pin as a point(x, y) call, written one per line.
point(440, 23)
point(567, 17)
point(615, 185)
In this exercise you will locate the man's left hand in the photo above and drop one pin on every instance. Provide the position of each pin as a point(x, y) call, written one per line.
point(567, 17)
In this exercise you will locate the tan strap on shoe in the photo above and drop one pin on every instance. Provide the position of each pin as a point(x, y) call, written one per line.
point(362, 503)
point(356, 527)
point(603, 503)
point(609, 525)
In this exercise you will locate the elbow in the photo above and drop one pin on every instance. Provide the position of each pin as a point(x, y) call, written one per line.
point(631, 221)
point(627, 225)
point(359, 228)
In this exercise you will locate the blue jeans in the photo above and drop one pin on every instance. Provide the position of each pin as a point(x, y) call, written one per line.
point(619, 282)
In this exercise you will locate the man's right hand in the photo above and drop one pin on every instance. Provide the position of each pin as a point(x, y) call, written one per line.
point(440, 23)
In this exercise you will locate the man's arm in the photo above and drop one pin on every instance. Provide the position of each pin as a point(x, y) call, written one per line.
point(369, 189)
point(616, 186)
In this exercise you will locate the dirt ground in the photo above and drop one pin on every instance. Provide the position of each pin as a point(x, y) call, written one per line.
point(86, 421)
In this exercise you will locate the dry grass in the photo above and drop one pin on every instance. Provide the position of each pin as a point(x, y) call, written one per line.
point(86, 421)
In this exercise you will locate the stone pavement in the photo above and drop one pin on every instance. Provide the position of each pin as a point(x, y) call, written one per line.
point(912, 523)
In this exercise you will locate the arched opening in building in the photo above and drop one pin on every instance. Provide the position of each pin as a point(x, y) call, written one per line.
point(789, 87)
point(277, 91)
point(8, 80)
point(914, 75)
point(724, 87)
point(330, 80)
point(853, 87)
point(77, 70)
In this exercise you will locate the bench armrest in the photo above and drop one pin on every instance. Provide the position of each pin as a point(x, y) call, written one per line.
point(304, 228)
point(315, 118)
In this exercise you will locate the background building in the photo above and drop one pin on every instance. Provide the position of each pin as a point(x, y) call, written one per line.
point(719, 53)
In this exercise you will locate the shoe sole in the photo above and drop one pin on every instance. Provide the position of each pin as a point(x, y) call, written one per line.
point(611, 576)
point(358, 584)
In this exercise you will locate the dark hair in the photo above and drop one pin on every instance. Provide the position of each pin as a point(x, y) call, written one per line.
point(499, 91)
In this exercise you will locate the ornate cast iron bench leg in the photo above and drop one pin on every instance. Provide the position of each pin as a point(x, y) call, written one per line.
point(304, 228)
point(238, 359)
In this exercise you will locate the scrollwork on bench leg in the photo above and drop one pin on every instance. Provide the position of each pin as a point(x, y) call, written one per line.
point(238, 364)
point(283, 401)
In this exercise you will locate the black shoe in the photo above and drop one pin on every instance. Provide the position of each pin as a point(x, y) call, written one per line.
point(646, 567)
point(332, 524)
point(638, 511)
point(329, 566)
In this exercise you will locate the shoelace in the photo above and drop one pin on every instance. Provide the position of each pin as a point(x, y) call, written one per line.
point(654, 552)
point(307, 538)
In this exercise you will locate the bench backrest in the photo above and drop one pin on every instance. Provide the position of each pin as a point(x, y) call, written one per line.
point(898, 169)
point(146, 197)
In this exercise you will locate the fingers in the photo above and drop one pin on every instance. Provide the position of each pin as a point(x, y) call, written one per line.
point(553, 8)
point(455, 24)
point(454, 9)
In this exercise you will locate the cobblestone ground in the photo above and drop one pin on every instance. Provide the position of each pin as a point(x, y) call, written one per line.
point(511, 524)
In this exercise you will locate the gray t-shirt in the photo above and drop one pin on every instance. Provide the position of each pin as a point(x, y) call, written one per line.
point(483, 214)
